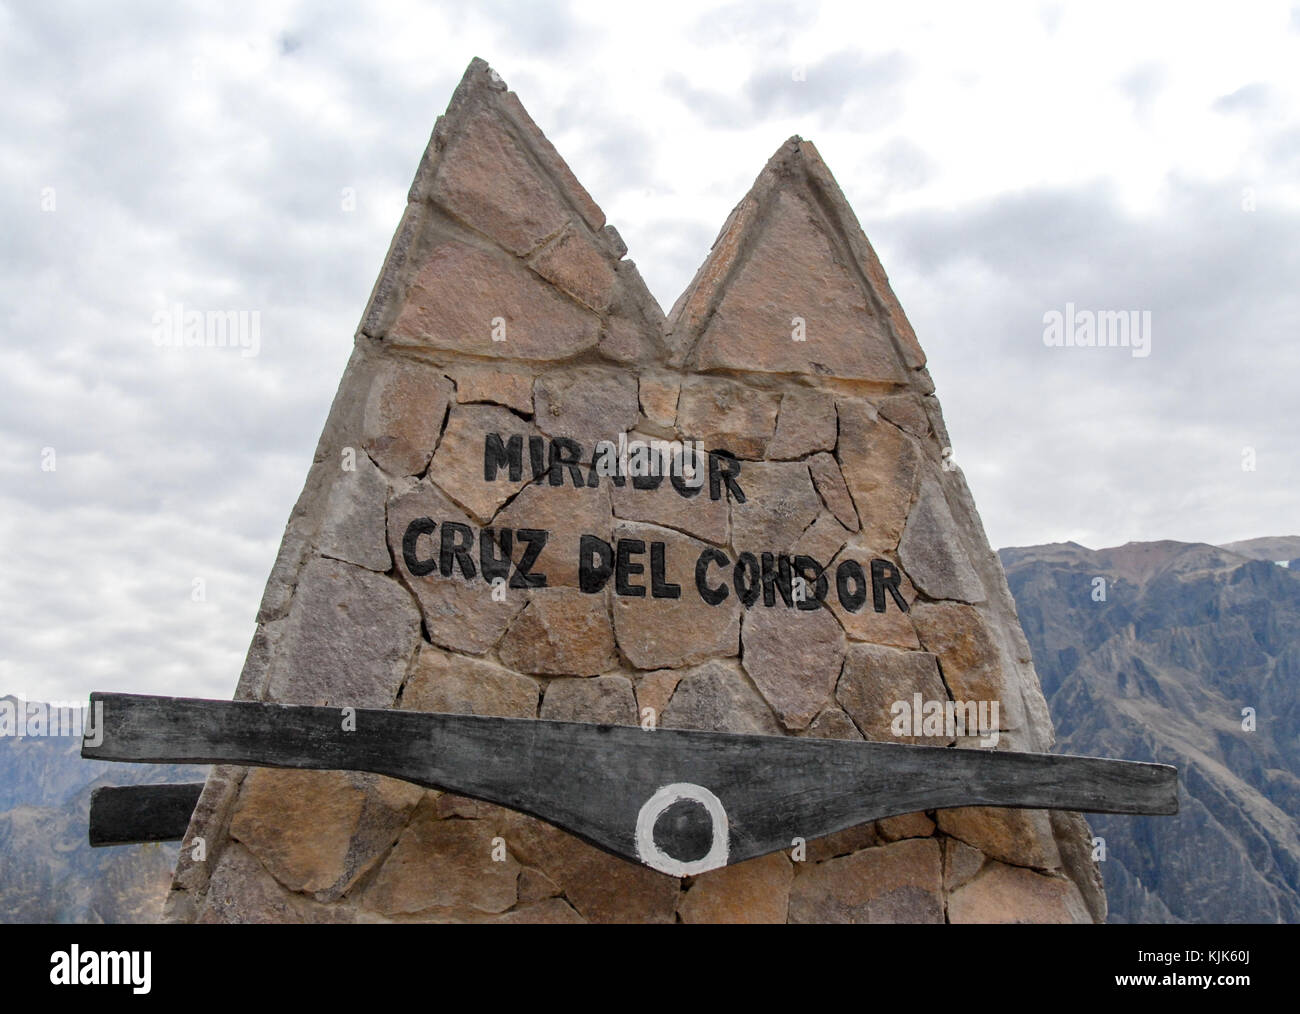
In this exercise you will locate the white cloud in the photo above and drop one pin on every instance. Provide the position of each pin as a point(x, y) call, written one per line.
point(1001, 165)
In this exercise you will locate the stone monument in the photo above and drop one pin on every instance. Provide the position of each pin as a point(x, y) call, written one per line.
point(537, 497)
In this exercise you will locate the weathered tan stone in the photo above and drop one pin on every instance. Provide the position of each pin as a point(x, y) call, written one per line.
point(444, 863)
point(458, 685)
point(566, 513)
point(794, 274)
point(876, 677)
point(668, 633)
point(832, 723)
point(1074, 841)
point(794, 657)
point(696, 514)
point(586, 403)
point(932, 551)
point(654, 690)
point(905, 825)
point(755, 891)
point(348, 640)
point(1003, 894)
point(576, 265)
point(604, 700)
point(241, 891)
point(862, 251)
point(459, 613)
point(907, 412)
point(727, 416)
point(902, 882)
point(318, 832)
point(825, 471)
point(694, 305)
point(448, 804)
point(780, 504)
point(716, 697)
point(299, 824)
point(601, 888)
point(549, 911)
point(623, 340)
point(486, 178)
point(540, 147)
point(822, 540)
point(1017, 837)
point(892, 627)
point(843, 843)
point(467, 300)
point(971, 665)
point(960, 863)
point(457, 467)
point(561, 632)
point(496, 385)
point(658, 393)
point(881, 467)
point(806, 424)
point(353, 527)
point(534, 885)
point(403, 415)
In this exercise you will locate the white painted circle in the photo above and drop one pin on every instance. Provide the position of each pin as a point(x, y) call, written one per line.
point(648, 850)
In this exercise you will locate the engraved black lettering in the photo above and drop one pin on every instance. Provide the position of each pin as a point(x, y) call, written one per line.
point(595, 563)
point(410, 547)
point(535, 539)
point(661, 588)
point(708, 593)
point(625, 568)
point(496, 455)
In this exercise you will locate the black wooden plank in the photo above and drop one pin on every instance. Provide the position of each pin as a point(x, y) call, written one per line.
point(130, 814)
point(604, 782)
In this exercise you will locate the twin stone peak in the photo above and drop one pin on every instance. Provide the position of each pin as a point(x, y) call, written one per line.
point(459, 547)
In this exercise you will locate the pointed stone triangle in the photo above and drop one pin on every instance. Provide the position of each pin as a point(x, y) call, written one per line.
point(793, 286)
point(478, 534)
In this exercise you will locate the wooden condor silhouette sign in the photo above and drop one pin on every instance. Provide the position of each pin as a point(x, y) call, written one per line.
point(589, 614)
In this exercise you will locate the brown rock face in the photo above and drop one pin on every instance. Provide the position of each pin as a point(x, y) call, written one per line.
point(497, 385)
point(727, 416)
point(458, 465)
point(757, 891)
point(605, 700)
point(587, 404)
point(806, 425)
point(459, 685)
point(795, 277)
point(716, 697)
point(971, 667)
point(466, 544)
point(902, 882)
point(780, 504)
point(561, 632)
point(445, 864)
point(881, 466)
point(1009, 894)
point(459, 609)
point(484, 304)
point(668, 633)
point(876, 679)
point(794, 658)
point(404, 415)
point(348, 640)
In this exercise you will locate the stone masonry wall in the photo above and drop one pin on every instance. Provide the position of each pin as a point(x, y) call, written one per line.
point(506, 306)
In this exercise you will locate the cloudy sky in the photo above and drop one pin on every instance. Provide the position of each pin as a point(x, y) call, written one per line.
point(256, 156)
